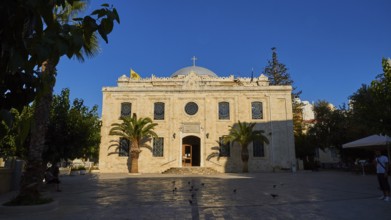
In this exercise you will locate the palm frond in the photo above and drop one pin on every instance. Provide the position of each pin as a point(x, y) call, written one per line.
point(243, 133)
point(213, 155)
point(137, 130)
point(91, 46)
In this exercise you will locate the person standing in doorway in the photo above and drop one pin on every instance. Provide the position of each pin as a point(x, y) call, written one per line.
point(382, 174)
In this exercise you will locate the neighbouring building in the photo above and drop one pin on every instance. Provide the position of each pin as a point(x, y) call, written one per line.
point(194, 109)
point(329, 156)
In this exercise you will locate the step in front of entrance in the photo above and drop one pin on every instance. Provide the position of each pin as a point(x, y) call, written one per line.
point(191, 170)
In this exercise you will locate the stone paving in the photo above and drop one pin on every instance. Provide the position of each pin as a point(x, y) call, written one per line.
point(301, 195)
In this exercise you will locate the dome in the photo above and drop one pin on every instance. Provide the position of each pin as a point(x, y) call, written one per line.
point(196, 69)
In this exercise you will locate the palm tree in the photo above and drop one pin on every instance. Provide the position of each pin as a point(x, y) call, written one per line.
point(137, 131)
point(243, 134)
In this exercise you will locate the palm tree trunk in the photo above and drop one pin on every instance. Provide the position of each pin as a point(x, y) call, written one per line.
point(134, 161)
point(245, 157)
point(33, 174)
point(134, 155)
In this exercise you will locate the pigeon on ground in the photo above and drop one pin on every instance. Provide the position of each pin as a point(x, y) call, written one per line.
point(274, 195)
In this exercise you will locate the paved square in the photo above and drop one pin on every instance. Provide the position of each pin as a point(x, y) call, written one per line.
point(302, 195)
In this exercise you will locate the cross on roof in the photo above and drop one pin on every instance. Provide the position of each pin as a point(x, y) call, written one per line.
point(194, 60)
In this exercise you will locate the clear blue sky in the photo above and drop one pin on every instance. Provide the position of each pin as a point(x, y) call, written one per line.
point(330, 47)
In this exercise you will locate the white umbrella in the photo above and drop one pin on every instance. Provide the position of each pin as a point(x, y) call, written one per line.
point(370, 141)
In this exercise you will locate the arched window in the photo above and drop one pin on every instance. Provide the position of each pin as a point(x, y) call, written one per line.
point(256, 110)
point(223, 110)
point(158, 113)
point(126, 108)
point(123, 148)
point(158, 147)
point(225, 148)
point(258, 148)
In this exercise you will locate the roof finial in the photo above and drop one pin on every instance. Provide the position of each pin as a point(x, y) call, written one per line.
point(194, 60)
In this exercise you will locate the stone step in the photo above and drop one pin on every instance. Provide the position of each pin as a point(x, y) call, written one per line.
point(191, 170)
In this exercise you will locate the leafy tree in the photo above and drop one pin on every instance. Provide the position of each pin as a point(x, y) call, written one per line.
point(137, 131)
point(33, 39)
point(371, 104)
point(382, 95)
point(74, 130)
point(15, 134)
point(363, 112)
point(243, 134)
point(304, 147)
point(331, 126)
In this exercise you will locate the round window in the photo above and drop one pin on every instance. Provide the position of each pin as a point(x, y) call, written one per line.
point(191, 108)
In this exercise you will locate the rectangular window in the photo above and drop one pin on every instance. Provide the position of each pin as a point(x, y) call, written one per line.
point(158, 113)
point(258, 148)
point(126, 109)
point(256, 110)
point(225, 149)
point(223, 110)
point(158, 147)
point(123, 149)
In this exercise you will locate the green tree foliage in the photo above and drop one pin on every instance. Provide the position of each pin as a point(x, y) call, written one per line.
point(330, 128)
point(15, 134)
point(243, 134)
point(31, 32)
point(382, 95)
point(371, 104)
point(276, 71)
point(137, 131)
point(33, 39)
point(74, 130)
point(362, 114)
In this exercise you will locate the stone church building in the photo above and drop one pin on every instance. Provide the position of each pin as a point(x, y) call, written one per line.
point(194, 108)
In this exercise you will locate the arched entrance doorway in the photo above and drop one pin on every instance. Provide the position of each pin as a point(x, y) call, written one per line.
point(191, 151)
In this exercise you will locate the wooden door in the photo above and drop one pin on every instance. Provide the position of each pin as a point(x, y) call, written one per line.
point(187, 152)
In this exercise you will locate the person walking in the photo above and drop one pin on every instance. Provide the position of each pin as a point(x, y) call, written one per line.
point(52, 176)
point(382, 174)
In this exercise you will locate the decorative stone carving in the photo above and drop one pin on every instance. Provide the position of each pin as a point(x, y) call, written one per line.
point(191, 128)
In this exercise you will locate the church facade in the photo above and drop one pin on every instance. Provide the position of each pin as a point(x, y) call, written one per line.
point(194, 109)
